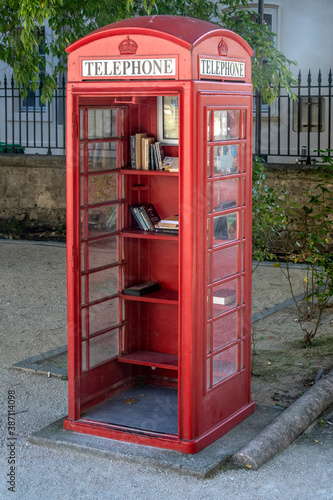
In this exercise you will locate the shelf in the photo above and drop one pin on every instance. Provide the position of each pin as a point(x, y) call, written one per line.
point(133, 171)
point(137, 233)
point(159, 297)
point(149, 358)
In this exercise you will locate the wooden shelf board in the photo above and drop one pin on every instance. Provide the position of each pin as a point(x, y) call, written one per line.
point(149, 358)
point(133, 171)
point(137, 233)
point(159, 296)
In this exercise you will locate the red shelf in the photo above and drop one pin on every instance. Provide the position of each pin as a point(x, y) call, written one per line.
point(149, 358)
point(130, 171)
point(133, 233)
point(160, 297)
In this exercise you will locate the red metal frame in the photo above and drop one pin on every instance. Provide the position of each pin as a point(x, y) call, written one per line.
point(169, 327)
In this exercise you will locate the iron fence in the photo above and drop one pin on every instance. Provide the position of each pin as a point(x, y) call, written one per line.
point(30, 126)
point(287, 128)
point(296, 128)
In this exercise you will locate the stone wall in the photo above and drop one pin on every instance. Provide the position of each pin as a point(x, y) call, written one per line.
point(32, 191)
point(33, 188)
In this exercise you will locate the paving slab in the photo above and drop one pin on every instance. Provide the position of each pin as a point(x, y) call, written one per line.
point(201, 465)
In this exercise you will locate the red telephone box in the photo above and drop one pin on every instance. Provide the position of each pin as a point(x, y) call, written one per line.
point(159, 251)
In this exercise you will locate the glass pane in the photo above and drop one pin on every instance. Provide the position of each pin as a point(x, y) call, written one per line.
point(209, 119)
point(243, 157)
point(84, 324)
point(244, 124)
point(209, 197)
point(102, 123)
point(83, 200)
point(242, 366)
point(170, 117)
point(208, 338)
point(226, 125)
point(83, 290)
point(209, 268)
point(243, 180)
point(225, 159)
point(84, 356)
point(102, 156)
point(82, 157)
point(208, 374)
point(225, 194)
point(209, 154)
point(103, 252)
point(104, 347)
point(225, 330)
point(209, 293)
point(209, 231)
point(81, 123)
point(225, 262)
point(102, 220)
point(102, 188)
point(225, 297)
point(225, 228)
point(103, 316)
point(225, 364)
point(103, 283)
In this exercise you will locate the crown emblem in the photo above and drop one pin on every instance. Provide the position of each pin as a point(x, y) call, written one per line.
point(128, 46)
point(222, 48)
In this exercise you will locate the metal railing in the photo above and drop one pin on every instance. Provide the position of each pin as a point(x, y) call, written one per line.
point(288, 128)
point(27, 125)
point(297, 128)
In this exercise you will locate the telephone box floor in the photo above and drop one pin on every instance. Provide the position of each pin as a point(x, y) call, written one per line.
point(145, 407)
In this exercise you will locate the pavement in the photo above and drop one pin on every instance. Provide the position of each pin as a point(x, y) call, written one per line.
point(34, 401)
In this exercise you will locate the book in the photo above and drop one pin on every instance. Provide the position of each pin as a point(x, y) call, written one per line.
point(174, 219)
point(170, 163)
point(145, 151)
point(152, 157)
point(136, 153)
point(138, 219)
point(145, 216)
point(224, 297)
point(142, 288)
point(166, 230)
point(160, 155)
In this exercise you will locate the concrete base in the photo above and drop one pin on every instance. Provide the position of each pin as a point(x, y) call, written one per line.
point(202, 464)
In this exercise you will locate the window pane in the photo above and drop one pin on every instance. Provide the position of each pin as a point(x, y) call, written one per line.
point(225, 194)
point(225, 228)
point(225, 297)
point(170, 117)
point(225, 159)
point(84, 356)
point(102, 220)
point(102, 188)
point(225, 262)
point(209, 197)
point(225, 330)
point(102, 156)
point(209, 159)
point(103, 283)
point(103, 316)
point(104, 347)
point(209, 119)
point(226, 125)
point(225, 364)
point(208, 374)
point(102, 123)
point(103, 252)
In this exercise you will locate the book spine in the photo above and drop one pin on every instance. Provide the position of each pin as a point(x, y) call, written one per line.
point(136, 218)
point(133, 151)
point(166, 231)
point(139, 215)
point(158, 154)
point(152, 157)
point(146, 219)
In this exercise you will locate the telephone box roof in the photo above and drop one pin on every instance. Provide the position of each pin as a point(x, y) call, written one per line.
point(186, 31)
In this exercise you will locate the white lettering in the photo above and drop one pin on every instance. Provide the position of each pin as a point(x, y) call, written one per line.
point(222, 69)
point(129, 67)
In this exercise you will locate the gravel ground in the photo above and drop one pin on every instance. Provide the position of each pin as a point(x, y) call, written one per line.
point(32, 321)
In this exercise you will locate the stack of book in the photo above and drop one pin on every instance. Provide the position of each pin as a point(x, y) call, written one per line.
point(168, 225)
point(145, 216)
point(148, 154)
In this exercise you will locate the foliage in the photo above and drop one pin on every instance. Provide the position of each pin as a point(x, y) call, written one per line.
point(268, 216)
point(37, 61)
point(311, 247)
